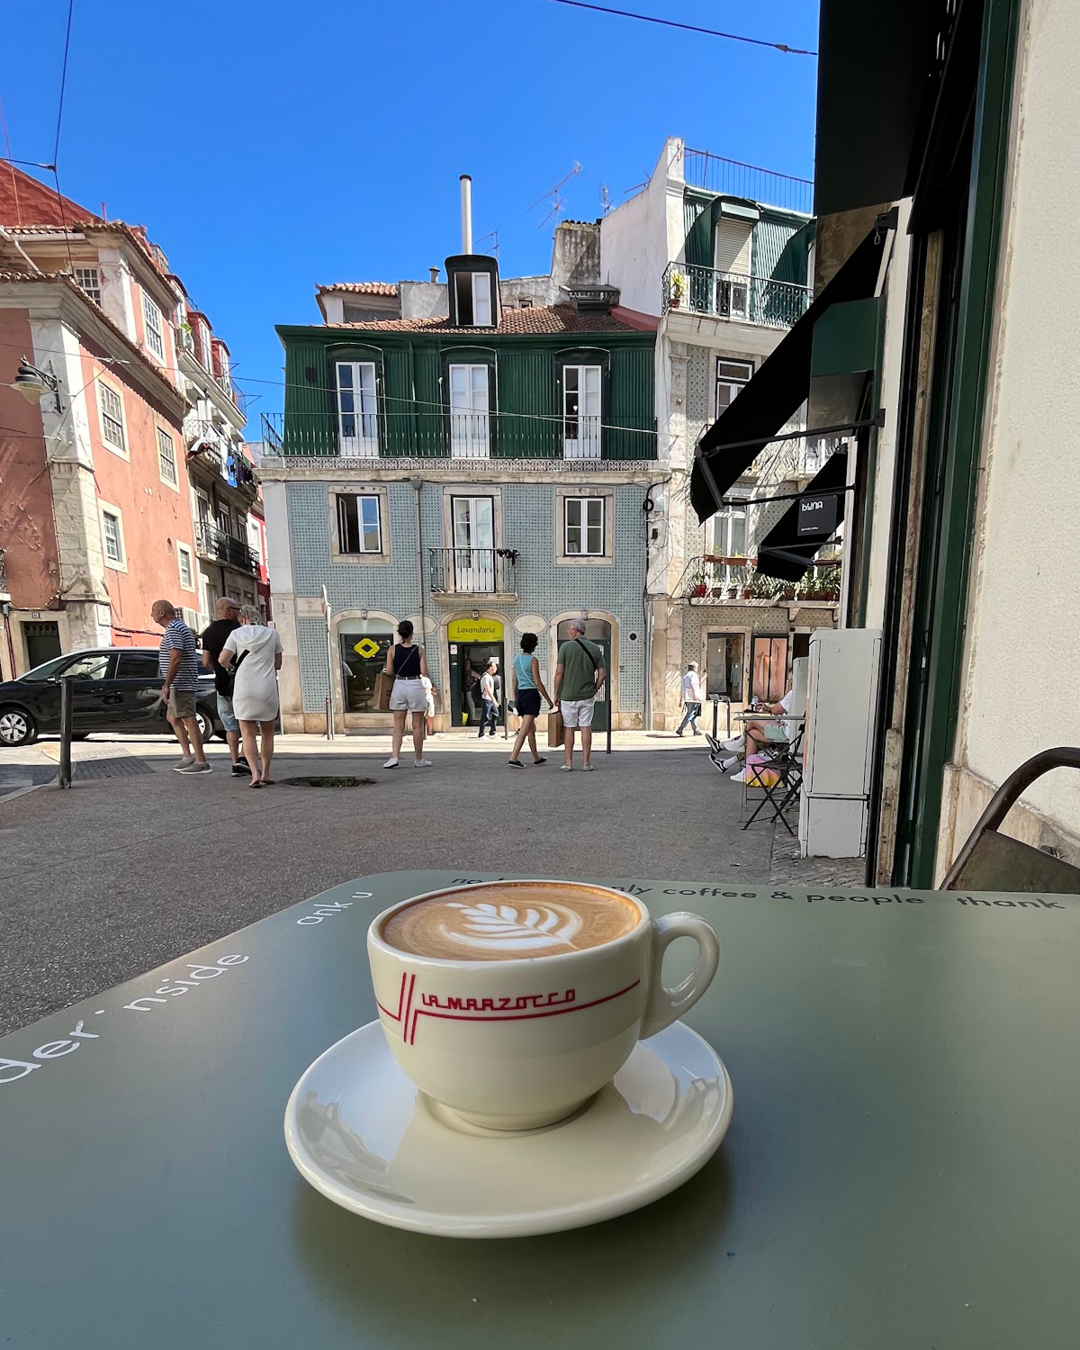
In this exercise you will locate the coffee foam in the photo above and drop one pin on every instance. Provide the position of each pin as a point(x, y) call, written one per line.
point(508, 921)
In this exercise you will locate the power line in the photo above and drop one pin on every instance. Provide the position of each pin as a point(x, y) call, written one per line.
point(688, 27)
point(63, 83)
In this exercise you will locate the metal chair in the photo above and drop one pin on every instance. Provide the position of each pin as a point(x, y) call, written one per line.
point(787, 763)
point(991, 861)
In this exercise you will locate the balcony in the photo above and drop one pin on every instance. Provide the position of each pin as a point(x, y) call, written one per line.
point(472, 438)
point(712, 580)
point(734, 178)
point(187, 341)
point(733, 295)
point(471, 572)
point(210, 542)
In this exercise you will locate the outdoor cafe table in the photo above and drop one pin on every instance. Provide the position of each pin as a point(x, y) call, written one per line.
point(901, 1171)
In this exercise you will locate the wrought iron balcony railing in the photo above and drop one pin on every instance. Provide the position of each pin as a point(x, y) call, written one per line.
point(222, 547)
point(733, 295)
point(472, 571)
point(712, 580)
point(716, 174)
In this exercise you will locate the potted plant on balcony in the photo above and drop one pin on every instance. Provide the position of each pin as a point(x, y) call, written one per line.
point(677, 291)
point(697, 585)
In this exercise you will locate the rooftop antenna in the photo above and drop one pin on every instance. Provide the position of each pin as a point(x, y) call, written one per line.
point(552, 195)
point(605, 199)
point(493, 235)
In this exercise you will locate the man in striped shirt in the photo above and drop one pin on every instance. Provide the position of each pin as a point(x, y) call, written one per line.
point(179, 667)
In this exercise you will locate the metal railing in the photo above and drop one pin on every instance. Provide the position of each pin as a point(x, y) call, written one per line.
point(472, 571)
point(3, 572)
point(431, 435)
point(736, 179)
point(712, 580)
point(224, 548)
point(734, 295)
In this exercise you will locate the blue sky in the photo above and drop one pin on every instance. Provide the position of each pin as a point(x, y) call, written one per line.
point(271, 146)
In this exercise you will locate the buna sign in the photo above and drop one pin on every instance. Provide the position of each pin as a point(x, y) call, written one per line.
point(817, 515)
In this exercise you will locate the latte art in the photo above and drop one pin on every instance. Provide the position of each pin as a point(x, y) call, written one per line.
point(506, 928)
point(508, 921)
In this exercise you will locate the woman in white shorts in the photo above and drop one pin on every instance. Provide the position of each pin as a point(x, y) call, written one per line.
point(408, 666)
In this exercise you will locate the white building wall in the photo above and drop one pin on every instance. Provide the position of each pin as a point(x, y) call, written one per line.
point(1024, 639)
point(639, 238)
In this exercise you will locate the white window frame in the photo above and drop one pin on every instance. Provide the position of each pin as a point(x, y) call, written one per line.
point(481, 300)
point(114, 512)
point(586, 524)
point(473, 525)
point(107, 419)
point(363, 382)
point(88, 280)
point(470, 410)
point(726, 574)
point(369, 558)
point(165, 437)
point(577, 492)
point(586, 443)
point(184, 553)
point(734, 383)
point(361, 499)
point(153, 325)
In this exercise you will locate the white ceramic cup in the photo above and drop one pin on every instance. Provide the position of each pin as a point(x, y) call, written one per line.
point(517, 1044)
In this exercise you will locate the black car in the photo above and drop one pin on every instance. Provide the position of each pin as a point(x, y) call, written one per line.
point(116, 689)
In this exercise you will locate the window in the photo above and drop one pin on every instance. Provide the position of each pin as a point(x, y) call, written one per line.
point(88, 279)
point(137, 666)
point(152, 316)
point(94, 666)
point(166, 457)
point(358, 421)
point(730, 378)
point(473, 524)
point(363, 656)
point(113, 537)
point(112, 417)
point(724, 667)
point(729, 531)
point(525, 302)
point(186, 564)
point(472, 294)
point(581, 412)
point(358, 524)
point(469, 417)
point(584, 526)
point(768, 668)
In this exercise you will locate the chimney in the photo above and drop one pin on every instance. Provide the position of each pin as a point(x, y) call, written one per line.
point(434, 274)
point(466, 213)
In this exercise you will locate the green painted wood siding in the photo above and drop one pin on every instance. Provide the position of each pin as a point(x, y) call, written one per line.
point(411, 399)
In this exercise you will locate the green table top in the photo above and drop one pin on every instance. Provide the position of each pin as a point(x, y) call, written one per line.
point(900, 1172)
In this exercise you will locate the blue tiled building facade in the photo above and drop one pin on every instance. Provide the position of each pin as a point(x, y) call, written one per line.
point(483, 472)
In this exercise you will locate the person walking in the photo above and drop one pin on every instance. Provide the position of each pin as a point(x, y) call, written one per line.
point(528, 689)
point(178, 663)
point(408, 665)
point(490, 716)
point(253, 653)
point(213, 639)
point(579, 673)
point(691, 698)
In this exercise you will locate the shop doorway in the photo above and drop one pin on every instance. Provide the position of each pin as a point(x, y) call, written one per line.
point(468, 661)
point(42, 642)
point(725, 665)
point(598, 631)
point(768, 667)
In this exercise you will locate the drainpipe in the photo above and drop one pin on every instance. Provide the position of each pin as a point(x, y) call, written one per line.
point(417, 483)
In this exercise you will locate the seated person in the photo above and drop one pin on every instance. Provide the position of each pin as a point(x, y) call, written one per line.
point(762, 736)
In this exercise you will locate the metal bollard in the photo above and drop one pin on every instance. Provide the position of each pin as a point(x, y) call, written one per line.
point(66, 708)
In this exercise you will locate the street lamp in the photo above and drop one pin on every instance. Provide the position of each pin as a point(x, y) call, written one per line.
point(34, 383)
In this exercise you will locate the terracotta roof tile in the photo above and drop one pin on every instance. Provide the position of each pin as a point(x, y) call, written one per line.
point(538, 319)
point(361, 287)
point(25, 201)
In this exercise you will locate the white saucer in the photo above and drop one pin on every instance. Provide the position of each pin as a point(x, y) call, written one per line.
point(362, 1134)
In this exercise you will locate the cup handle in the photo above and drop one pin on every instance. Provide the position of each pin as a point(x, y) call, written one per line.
point(666, 1005)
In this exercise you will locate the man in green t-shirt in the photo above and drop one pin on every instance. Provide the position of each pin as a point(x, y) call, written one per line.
point(578, 675)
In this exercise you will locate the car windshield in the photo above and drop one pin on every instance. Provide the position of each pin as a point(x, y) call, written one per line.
point(43, 672)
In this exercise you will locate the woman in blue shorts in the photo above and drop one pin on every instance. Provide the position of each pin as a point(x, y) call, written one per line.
point(528, 689)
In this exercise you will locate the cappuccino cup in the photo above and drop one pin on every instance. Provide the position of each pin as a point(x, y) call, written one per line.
point(511, 1003)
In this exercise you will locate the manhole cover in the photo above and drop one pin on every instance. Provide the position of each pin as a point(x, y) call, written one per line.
point(327, 782)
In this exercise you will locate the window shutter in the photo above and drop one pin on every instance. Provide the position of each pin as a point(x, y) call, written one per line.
point(733, 246)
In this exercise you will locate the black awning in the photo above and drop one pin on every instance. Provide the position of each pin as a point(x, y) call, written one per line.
point(776, 391)
point(786, 554)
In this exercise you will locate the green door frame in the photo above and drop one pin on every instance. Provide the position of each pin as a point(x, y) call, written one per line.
point(930, 736)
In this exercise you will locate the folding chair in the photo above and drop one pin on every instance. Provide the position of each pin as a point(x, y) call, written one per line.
point(787, 765)
point(991, 861)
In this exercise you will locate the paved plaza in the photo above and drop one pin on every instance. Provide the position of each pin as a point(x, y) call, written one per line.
point(135, 865)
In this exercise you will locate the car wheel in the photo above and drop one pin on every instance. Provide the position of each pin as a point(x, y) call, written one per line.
point(206, 727)
point(17, 727)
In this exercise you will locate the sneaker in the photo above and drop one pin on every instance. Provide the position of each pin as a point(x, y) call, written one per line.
point(696, 732)
point(515, 763)
point(240, 771)
point(567, 768)
point(736, 743)
point(421, 763)
point(541, 760)
point(726, 764)
point(185, 763)
point(739, 777)
point(391, 763)
point(678, 733)
point(196, 767)
point(586, 768)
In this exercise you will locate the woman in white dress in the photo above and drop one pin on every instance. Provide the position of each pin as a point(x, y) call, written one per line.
point(254, 651)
